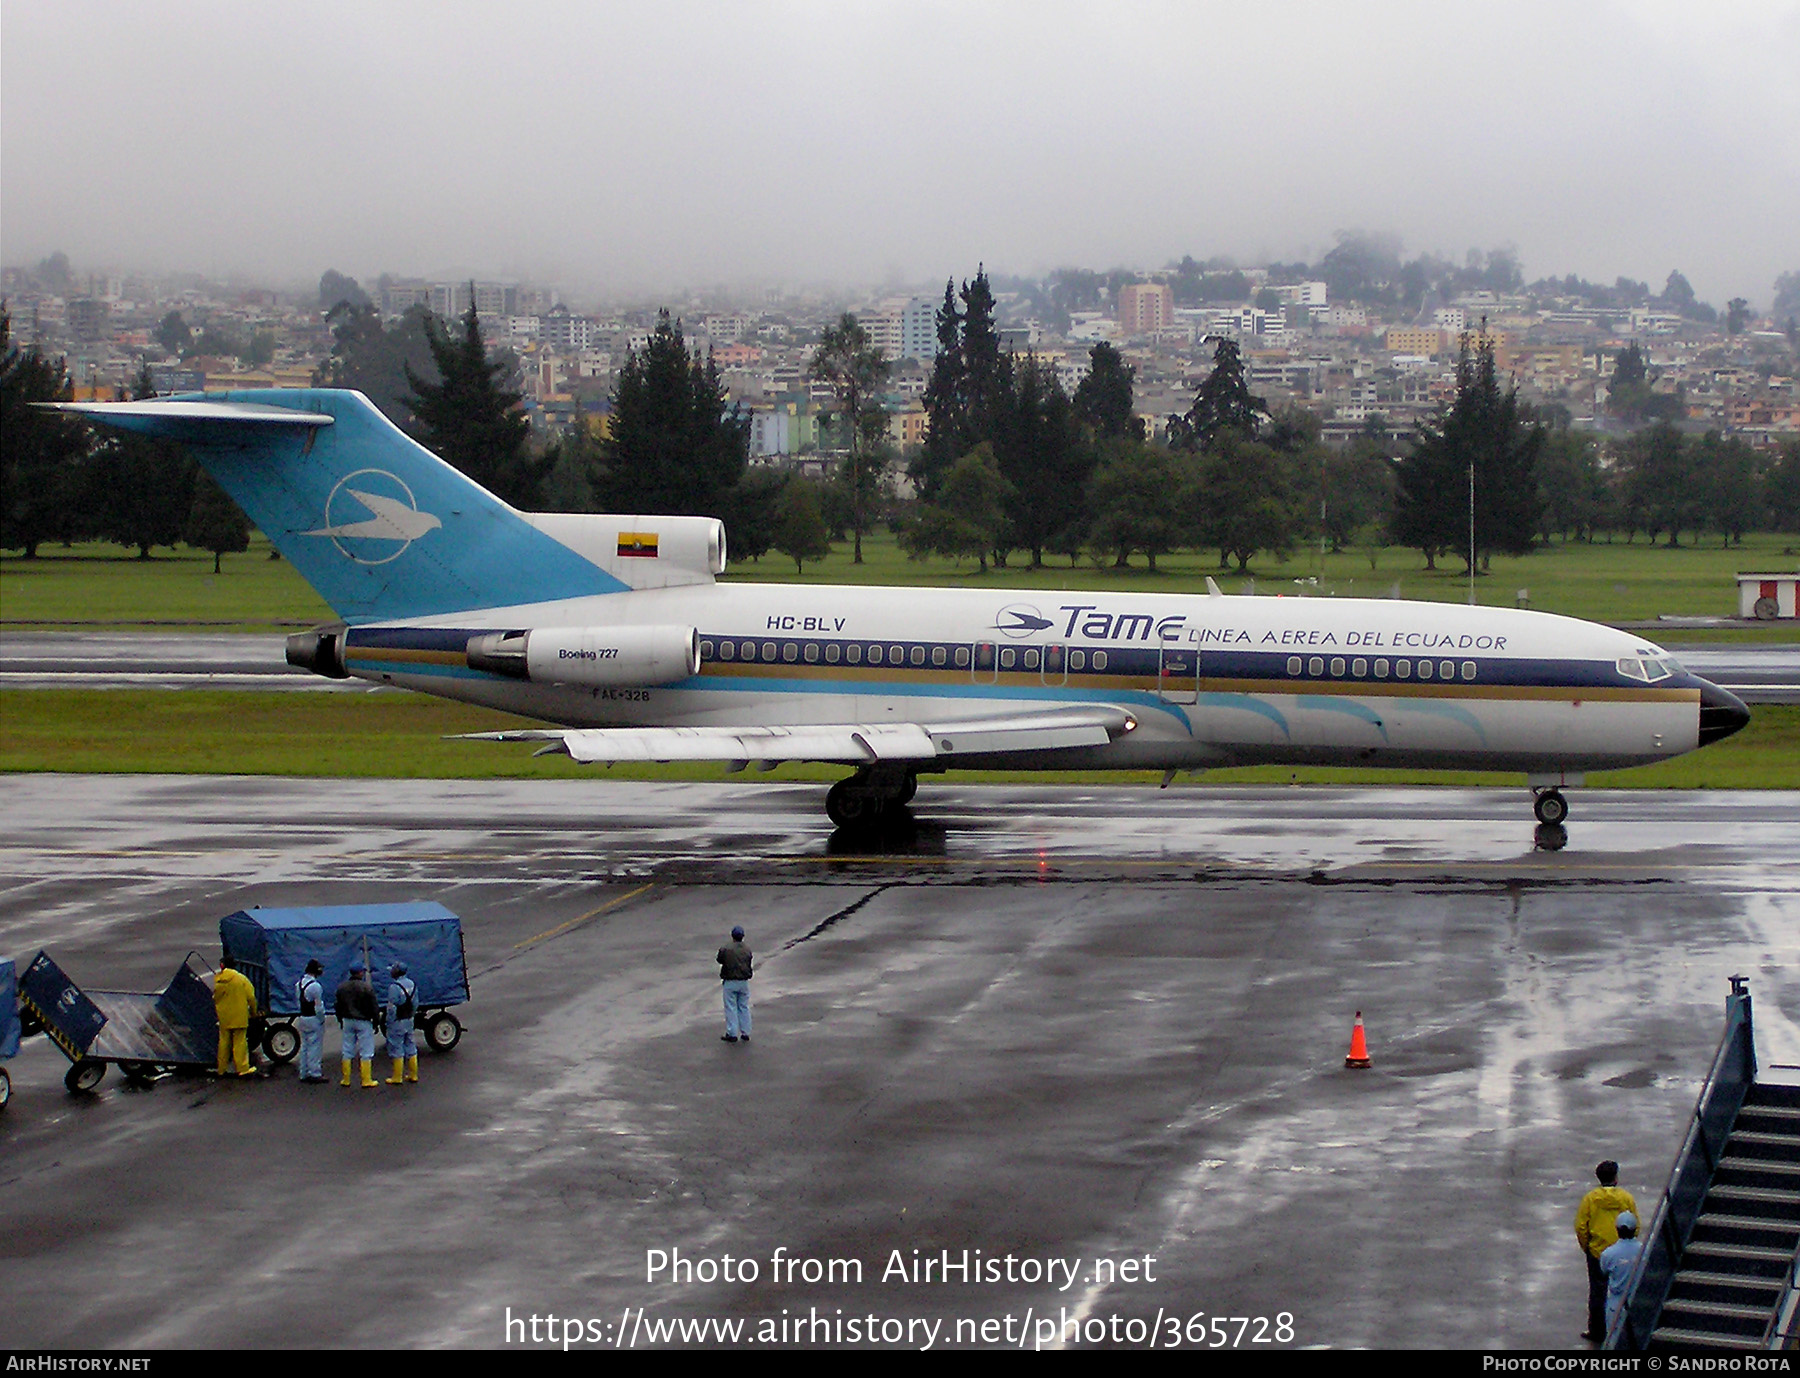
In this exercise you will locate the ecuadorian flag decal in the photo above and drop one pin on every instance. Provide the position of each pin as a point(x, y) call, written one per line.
point(637, 545)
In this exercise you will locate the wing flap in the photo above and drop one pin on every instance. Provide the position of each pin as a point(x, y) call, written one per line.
point(850, 743)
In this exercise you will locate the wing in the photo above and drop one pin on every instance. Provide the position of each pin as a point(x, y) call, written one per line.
point(849, 743)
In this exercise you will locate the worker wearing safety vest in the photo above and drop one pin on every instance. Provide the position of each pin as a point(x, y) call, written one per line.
point(234, 1001)
point(402, 1000)
point(311, 996)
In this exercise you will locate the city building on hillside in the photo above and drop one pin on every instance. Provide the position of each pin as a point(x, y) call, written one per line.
point(1412, 339)
point(1145, 307)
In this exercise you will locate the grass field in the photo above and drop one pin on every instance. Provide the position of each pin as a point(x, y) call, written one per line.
point(394, 734)
point(105, 586)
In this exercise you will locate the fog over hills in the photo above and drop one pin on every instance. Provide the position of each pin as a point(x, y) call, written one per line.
point(621, 149)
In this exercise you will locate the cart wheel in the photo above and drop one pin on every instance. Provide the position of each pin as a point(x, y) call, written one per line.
point(5, 1088)
point(281, 1042)
point(84, 1075)
point(138, 1073)
point(442, 1031)
point(29, 1023)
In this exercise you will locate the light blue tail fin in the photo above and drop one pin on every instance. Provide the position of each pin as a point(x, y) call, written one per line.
point(380, 526)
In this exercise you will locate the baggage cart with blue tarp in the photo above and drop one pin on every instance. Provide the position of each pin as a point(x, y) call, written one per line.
point(9, 1026)
point(272, 946)
point(143, 1033)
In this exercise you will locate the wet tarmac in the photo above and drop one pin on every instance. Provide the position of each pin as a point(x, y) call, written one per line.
point(1048, 1024)
point(1757, 673)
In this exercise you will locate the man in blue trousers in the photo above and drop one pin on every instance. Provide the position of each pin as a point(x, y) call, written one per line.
point(734, 977)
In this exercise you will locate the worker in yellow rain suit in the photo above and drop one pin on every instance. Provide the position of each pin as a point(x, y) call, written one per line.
point(234, 999)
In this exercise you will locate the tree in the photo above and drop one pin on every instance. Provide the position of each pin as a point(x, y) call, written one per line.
point(750, 512)
point(40, 452)
point(1781, 489)
point(471, 419)
point(172, 333)
point(215, 522)
point(377, 361)
point(1103, 399)
point(1483, 433)
point(1731, 486)
point(138, 490)
point(1129, 497)
point(335, 290)
point(1737, 315)
point(946, 410)
point(1663, 490)
point(1041, 451)
point(854, 370)
point(1787, 296)
point(1573, 496)
point(1359, 493)
point(675, 444)
point(800, 532)
point(1242, 499)
point(1222, 403)
point(969, 517)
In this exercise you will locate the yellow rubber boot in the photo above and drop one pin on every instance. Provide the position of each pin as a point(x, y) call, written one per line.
point(346, 1080)
point(368, 1072)
point(399, 1072)
point(412, 1067)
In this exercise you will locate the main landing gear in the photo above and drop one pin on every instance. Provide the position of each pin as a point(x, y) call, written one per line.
point(871, 796)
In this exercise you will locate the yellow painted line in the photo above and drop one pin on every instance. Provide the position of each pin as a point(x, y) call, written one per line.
point(583, 918)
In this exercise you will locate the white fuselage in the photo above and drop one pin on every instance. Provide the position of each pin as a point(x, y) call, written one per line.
point(1210, 680)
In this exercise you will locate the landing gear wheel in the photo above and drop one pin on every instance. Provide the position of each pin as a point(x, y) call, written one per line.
point(5, 1088)
point(909, 786)
point(84, 1075)
point(1551, 807)
point(442, 1032)
point(281, 1043)
point(849, 804)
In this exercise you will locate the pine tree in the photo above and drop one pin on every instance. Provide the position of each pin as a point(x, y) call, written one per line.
point(1103, 399)
point(471, 419)
point(676, 445)
point(946, 411)
point(854, 370)
point(1483, 431)
point(41, 452)
point(1042, 453)
point(1222, 403)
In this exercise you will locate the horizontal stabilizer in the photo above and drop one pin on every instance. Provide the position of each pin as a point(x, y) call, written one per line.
point(851, 743)
point(191, 422)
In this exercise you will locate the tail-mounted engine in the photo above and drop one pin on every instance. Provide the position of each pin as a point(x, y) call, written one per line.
point(589, 656)
point(321, 650)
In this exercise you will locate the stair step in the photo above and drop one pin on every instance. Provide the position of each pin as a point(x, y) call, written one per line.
point(1763, 1136)
point(1772, 1224)
point(1783, 1165)
point(1702, 1277)
point(1743, 1251)
point(1780, 1112)
point(1720, 1308)
point(1676, 1335)
point(1771, 1196)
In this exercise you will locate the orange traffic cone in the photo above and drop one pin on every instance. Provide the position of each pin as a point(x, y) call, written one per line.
point(1359, 1046)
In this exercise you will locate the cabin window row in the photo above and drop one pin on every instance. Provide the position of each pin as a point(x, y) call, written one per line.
point(1049, 659)
point(1359, 668)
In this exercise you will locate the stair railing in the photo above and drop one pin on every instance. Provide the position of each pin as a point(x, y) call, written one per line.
point(1721, 1097)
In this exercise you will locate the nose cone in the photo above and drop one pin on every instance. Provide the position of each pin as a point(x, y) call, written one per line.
point(1721, 713)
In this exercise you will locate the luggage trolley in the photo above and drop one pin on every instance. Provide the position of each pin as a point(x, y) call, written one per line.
point(145, 1034)
point(271, 947)
point(9, 1025)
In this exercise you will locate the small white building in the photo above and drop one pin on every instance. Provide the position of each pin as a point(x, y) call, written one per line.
point(1767, 596)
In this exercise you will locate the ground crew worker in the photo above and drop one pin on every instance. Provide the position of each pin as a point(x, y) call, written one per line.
point(734, 980)
point(1617, 1261)
point(234, 1000)
point(400, 1004)
point(311, 1023)
point(1596, 1231)
point(356, 1011)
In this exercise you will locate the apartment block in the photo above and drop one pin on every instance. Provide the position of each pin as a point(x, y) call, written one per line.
point(1145, 307)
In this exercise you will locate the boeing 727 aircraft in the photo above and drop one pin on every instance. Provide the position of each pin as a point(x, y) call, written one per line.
point(614, 630)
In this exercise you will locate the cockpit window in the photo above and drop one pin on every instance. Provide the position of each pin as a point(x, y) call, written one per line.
point(1647, 669)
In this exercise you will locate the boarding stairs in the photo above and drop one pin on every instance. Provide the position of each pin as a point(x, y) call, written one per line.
point(1718, 1271)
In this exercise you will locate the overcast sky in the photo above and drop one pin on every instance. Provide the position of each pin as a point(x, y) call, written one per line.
point(645, 148)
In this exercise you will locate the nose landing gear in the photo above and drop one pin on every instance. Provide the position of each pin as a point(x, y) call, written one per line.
point(1550, 807)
